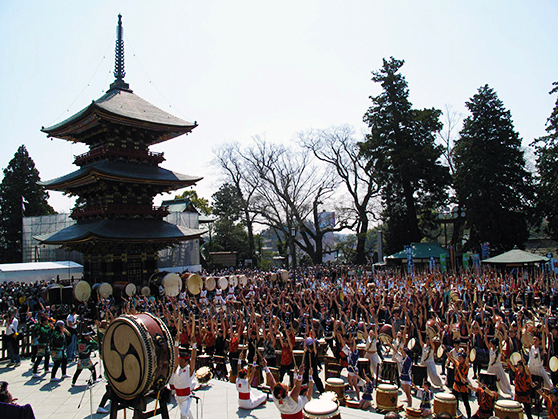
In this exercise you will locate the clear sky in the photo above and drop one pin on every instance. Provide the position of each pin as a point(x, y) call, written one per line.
point(244, 68)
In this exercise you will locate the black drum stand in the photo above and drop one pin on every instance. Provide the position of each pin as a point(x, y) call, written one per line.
point(139, 405)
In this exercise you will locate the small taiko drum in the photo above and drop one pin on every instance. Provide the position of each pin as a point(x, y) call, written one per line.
point(123, 289)
point(336, 385)
point(363, 367)
point(203, 375)
point(445, 402)
point(386, 397)
point(138, 355)
point(432, 328)
point(413, 412)
point(203, 361)
point(321, 409)
point(329, 395)
point(508, 409)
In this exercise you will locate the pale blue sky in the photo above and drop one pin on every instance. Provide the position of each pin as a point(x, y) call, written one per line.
point(244, 68)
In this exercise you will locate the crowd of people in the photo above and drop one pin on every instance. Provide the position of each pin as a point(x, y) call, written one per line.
point(496, 326)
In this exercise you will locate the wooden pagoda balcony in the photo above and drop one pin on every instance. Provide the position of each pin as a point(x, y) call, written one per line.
point(105, 152)
point(112, 211)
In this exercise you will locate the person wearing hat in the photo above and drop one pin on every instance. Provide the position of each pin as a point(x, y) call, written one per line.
point(181, 381)
point(85, 346)
point(58, 341)
point(290, 404)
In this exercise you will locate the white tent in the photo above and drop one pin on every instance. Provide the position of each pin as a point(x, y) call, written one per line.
point(37, 271)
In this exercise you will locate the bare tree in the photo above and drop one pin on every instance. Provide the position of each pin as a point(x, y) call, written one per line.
point(292, 194)
point(229, 157)
point(451, 120)
point(337, 147)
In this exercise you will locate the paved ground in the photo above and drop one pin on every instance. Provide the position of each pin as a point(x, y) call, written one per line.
point(59, 400)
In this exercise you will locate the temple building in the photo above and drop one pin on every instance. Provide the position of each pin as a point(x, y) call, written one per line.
point(118, 229)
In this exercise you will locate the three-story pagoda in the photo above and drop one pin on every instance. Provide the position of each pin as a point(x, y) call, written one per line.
point(118, 229)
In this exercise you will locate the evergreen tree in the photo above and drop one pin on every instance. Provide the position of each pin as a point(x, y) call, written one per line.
point(491, 180)
point(402, 151)
point(20, 195)
point(546, 149)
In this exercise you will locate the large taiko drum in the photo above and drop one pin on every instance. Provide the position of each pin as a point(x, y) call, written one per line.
point(138, 355)
point(53, 294)
point(321, 409)
point(445, 402)
point(386, 397)
point(388, 371)
point(508, 409)
point(82, 291)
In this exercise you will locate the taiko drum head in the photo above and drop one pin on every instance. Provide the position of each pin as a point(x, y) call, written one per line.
point(138, 355)
point(82, 291)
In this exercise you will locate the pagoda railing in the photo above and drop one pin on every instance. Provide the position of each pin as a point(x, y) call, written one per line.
point(111, 151)
point(108, 211)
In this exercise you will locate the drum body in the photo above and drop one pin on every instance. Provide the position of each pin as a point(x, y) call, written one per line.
point(321, 409)
point(388, 371)
point(53, 294)
point(123, 289)
point(508, 409)
point(363, 367)
point(138, 355)
point(420, 373)
point(336, 385)
point(67, 295)
point(445, 402)
point(386, 397)
point(361, 350)
point(482, 357)
point(333, 370)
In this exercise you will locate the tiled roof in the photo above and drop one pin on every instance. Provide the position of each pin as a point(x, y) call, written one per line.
point(123, 171)
point(128, 109)
point(129, 230)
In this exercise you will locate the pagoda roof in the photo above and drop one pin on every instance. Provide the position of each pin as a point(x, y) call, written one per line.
point(117, 230)
point(122, 171)
point(122, 107)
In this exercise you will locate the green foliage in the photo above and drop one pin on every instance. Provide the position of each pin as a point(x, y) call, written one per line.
point(227, 203)
point(546, 149)
point(401, 149)
point(200, 203)
point(228, 236)
point(20, 194)
point(491, 180)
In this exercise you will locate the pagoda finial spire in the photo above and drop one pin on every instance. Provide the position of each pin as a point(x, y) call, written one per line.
point(119, 71)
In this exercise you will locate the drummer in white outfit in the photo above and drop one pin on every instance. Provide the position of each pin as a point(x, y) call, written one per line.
point(203, 296)
point(230, 295)
point(495, 366)
point(427, 360)
point(372, 350)
point(181, 381)
point(219, 295)
point(289, 404)
point(535, 362)
point(247, 399)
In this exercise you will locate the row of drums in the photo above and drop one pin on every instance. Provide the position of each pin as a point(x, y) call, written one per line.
point(327, 406)
point(195, 283)
point(82, 292)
